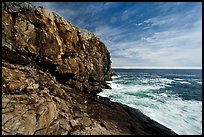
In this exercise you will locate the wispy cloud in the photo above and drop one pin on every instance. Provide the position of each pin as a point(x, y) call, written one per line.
point(57, 7)
point(168, 48)
point(176, 46)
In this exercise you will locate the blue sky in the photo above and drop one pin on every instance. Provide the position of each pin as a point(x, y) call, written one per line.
point(141, 34)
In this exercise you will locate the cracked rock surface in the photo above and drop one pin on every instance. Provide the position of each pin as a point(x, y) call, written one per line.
point(35, 36)
point(52, 108)
point(49, 108)
point(51, 72)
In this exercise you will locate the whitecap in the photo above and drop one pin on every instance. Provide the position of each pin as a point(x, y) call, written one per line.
point(147, 75)
point(184, 82)
point(178, 79)
point(158, 76)
point(163, 94)
point(139, 88)
point(200, 82)
point(143, 73)
point(181, 75)
point(114, 77)
point(114, 85)
point(158, 80)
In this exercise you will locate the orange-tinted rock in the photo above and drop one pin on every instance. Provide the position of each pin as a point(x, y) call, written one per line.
point(37, 36)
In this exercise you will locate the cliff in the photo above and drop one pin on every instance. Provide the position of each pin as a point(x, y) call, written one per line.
point(37, 37)
point(51, 72)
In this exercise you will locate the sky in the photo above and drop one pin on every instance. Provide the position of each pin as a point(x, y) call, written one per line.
point(141, 34)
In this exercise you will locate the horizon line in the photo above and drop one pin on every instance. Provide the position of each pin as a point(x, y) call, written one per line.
point(156, 67)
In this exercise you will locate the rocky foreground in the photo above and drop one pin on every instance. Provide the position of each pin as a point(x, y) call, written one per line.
point(51, 73)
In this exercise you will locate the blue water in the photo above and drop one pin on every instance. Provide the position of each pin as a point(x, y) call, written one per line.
point(173, 97)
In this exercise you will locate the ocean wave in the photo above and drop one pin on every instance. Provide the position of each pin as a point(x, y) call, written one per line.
point(184, 82)
point(154, 97)
point(163, 82)
point(181, 81)
point(143, 73)
point(181, 75)
point(178, 79)
point(158, 76)
point(114, 85)
point(133, 87)
point(147, 75)
point(200, 82)
point(173, 112)
point(115, 77)
point(163, 94)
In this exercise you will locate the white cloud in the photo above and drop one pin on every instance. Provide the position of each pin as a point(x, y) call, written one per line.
point(178, 45)
point(163, 20)
point(64, 12)
point(168, 48)
point(107, 33)
point(98, 7)
point(125, 15)
point(129, 13)
point(138, 24)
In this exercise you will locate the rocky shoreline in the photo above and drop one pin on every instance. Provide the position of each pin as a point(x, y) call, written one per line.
point(45, 106)
point(51, 73)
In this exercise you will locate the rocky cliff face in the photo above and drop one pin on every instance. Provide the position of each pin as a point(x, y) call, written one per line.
point(46, 67)
point(35, 36)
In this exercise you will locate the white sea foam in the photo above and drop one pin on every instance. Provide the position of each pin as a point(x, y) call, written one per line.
point(146, 75)
point(132, 88)
point(114, 77)
point(183, 117)
point(181, 81)
point(143, 73)
point(184, 82)
point(200, 82)
point(162, 82)
point(178, 79)
point(158, 76)
point(163, 94)
point(150, 95)
point(181, 75)
point(138, 88)
point(115, 86)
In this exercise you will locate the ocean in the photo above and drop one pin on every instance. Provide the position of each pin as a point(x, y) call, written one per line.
point(172, 97)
